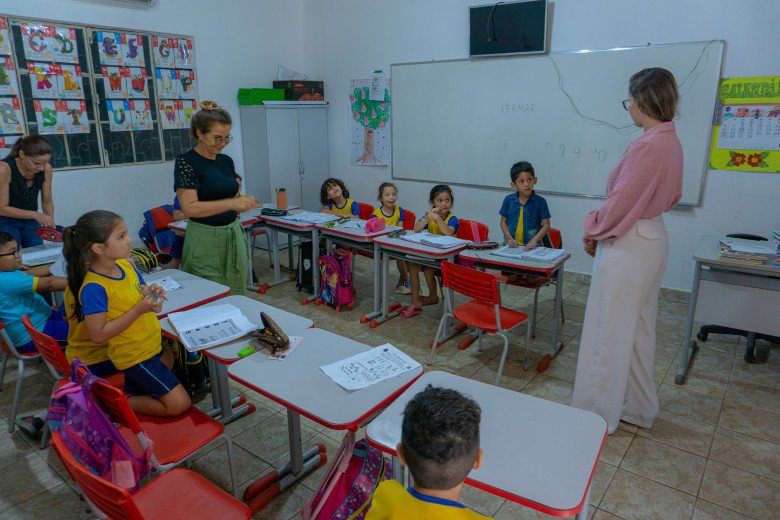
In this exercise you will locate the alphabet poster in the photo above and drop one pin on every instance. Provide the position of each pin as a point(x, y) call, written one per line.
point(6, 143)
point(11, 119)
point(118, 115)
point(71, 82)
point(168, 115)
point(136, 83)
point(132, 50)
point(38, 41)
point(184, 54)
point(141, 114)
point(186, 83)
point(163, 54)
point(109, 48)
point(73, 115)
point(369, 125)
point(185, 110)
point(112, 83)
point(166, 84)
point(65, 45)
point(43, 80)
point(8, 84)
point(47, 118)
point(5, 41)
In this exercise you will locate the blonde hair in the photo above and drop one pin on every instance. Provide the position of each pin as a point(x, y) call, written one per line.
point(209, 114)
point(655, 92)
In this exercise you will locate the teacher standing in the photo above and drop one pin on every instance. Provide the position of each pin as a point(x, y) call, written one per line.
point(205, 181)
point(24, 176)
point(628, 238)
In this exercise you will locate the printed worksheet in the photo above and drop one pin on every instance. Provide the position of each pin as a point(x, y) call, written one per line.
point(205, 327)
point(372, 366)
point(168, 284)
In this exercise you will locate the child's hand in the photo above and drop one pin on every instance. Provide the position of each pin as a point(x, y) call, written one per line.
point(511, 242)
point(354, 216)
point(431, 215)
point(530, 245)
point(154, 290)
point(149, 304)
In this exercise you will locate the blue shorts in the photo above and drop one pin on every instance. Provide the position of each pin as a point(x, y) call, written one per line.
point(103, 369)
point(56, 327)
point(150, 377)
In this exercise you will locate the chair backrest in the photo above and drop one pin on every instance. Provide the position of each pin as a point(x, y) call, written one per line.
point(110, 499)
point(49, 349)
point(365, 210)
point(7, 346)
point(555, 238)
point(470, 282)
point(409, 220)
point(113, 401)
point(472, 230)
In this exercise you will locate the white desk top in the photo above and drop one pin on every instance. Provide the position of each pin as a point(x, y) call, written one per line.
point(299, 384)
point(195, 290)
point(413, 248)
point(537, 453)
point(358, 235)
point(52, 249)
point(180, 226)
point(503, 261)
point(290, 224)
point(707, 252)
point(291, 324)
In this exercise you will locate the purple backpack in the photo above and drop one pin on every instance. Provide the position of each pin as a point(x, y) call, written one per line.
point(346, 491)
point(91, 436)
point(336, 279)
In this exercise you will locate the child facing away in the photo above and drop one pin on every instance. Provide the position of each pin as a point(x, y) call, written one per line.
point(335, 200)
point(118, 308)
point(394, 216)
point(440, 445)
point(525, 218)
point(438, 221)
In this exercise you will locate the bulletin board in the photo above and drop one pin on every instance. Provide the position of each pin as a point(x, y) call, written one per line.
point(747, 137)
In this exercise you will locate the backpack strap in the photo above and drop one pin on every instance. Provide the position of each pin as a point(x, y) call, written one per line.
point(74, 366)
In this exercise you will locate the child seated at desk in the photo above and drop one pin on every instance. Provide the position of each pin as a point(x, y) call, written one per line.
point(335, 200)
point(440, 444)
point(393, 215)
point(525, 218)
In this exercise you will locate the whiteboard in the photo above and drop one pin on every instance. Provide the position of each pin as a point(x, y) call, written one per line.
point(468, 121)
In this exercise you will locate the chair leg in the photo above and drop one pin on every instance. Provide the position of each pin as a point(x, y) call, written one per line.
point(270, 253)
point(2, 371)
point(503, 358)
point(479, 337)
point(527, 342)
point(536, 300)
point(231, 464)
point(12, 419)
point(436, 339)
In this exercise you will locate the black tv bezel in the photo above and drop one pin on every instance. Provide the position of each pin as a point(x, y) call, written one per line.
point(544, 49)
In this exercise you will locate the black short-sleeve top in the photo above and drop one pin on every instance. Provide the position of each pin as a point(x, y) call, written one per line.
point(214, 180)
point(20, 195)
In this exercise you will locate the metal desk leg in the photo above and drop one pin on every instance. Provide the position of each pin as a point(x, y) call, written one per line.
point(277, 270)
point(689, 346)
point(583, 514)
point(556, 345)
point(290, 242)
point(386, 313)
point(378, 271)
point(220, 395)
point(250, 283)
point(315, 257)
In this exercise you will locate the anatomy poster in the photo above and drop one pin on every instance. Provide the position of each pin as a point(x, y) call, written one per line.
point(8, 84)
point(369, 125)
point(163, 54)
point(10, 116)
point(64, 45)
point(47, 117)
point(73, 115)
point(5, 42)
point(168, 116)
point(118, 115)
point(71, 82)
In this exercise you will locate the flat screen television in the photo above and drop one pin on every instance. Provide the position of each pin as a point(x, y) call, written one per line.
point(508, 28)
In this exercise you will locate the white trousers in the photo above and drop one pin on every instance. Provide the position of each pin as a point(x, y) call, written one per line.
point(617, 349)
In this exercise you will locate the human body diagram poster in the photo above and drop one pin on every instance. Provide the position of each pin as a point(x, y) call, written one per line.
point(369, 125)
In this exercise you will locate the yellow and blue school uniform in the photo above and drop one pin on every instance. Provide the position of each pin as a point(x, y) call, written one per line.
point(80, 345)
point(524, 220)
point(350, 207)
point(18, 297)
point(451, 220)
point(391, 501)
point(391, 220)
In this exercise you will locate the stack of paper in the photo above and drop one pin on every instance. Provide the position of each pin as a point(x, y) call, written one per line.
point(310, 217)
point(429, 239)
point(751, 254)
point(539, 254)
point(352, 223)
point(369, 367)
point(42, 256)
point(204, 327)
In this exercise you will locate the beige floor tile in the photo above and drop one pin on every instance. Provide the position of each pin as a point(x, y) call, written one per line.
point(747, 453)
point(269, 439)
point(670, 466)
point(767, 374)
point(751, 421)
point(616, 446)
point(601, 480)
point(32, 477)
point(214, 466)
point(286, 504)
point(708, 511)
point(680, 432)
point(60, 498)
point(740, 491)
point(513, 377)
point(550, 388)
point(480, 501)
point(682, 401)
point(701, 381)
point(633, 497)
point(603, 515)
point(743, 393)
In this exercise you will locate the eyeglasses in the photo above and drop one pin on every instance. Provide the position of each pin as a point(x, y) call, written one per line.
point(626, 103)
point(220, 140)
point(16, 252)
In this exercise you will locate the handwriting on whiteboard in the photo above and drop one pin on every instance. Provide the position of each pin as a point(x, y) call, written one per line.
point(521, 107)
point(561, 151)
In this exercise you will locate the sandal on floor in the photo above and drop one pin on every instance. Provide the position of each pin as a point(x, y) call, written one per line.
point(409, 312)
point(426, 302)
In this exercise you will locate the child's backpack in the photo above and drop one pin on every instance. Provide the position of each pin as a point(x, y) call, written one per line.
point(190, 368)
point(90, 435)
point(336, 279)
point(155, 234)
point(347, 488)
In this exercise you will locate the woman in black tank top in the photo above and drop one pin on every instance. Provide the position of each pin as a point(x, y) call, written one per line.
point(25, 174)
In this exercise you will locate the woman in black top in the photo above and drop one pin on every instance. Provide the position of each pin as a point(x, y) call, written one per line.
point(25, 174)
point(205, 182)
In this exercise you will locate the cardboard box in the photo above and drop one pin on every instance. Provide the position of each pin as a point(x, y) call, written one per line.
point(302, 90)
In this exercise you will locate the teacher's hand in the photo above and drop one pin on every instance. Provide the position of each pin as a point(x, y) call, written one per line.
point(44, 219)
point(241, 204)
point(589, 245)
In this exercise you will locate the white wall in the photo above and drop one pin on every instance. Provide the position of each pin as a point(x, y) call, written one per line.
point(238, 43)
point(347, 39)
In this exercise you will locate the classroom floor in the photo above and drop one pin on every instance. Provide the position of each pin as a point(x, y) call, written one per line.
point(713, 453)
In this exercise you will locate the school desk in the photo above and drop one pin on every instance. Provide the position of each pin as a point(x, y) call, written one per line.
point(538, 453)
point(257, 213)
point(360, 239)
point(305, 230)
point(45, 254)
point(194, 291)
point(745, 297)
point(224, 355)
point(487, 260)
point(304, 389)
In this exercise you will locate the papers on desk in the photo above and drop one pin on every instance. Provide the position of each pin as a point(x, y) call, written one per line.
point(539, 254)
point(429, 239)
point(204, 327)
point(168, 284)
point(352, 223)
point(743, 253)
point(367, 368)
point(310, 217)
point(45, 256)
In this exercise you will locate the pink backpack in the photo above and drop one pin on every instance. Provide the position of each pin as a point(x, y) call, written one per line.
point(346, 490)
point(336, 279)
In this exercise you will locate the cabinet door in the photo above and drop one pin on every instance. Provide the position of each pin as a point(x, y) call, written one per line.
point(283, 153)
point(313, 129)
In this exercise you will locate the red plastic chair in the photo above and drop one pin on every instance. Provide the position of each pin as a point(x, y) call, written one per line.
point(49, 234)
point(174, 439)
point(483, 312)
point(472, 230)
point(178, 494)
point(409, 219)
point(9, 350)
point(365, 210)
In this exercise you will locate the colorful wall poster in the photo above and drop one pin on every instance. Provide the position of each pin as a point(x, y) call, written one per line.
point(5, 39)
point(136, 83)
point(73, 115)
point(184, 58)
point(8, 83)
point(112, 83)
point(168, 116)
point(109, 48)
point(71, 82)
point(166, 84)
point(65, 45)
point(47, 117)
point(38, 41)
point(132, 50)
point(186, 84)
point(748, 136)
point(369, 125)
point(11, 119)
point(6, 143)
point(43, 80)
point(162, 51)
point(185, 109)
point(141, 114)
point(118, 116)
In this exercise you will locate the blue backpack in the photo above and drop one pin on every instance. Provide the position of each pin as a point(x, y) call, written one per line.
point(154, 232)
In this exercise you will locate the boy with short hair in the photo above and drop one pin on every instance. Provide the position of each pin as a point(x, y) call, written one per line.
point(440, 444)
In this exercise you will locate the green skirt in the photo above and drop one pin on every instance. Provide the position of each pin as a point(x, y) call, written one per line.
point(217, 253)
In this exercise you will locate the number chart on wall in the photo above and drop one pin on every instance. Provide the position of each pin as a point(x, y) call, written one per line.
point(96, 93)
point(468, 121)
